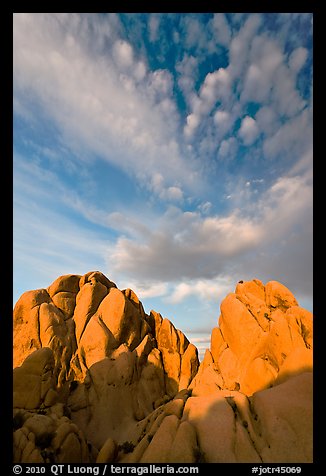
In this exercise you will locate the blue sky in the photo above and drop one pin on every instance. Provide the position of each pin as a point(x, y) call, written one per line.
point(172, 152)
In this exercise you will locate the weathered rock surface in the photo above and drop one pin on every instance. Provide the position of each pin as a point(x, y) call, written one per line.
point(263, 338)
point(97, 379)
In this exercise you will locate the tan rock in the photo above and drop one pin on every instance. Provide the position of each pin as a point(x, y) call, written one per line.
point(96, 276)
point(155, 321)
point(167, 337)
point(67, 283)
point(96, 343)
point(121, 318)
point(301, 323)
point(40, 425)
point(159, 448)
point(298, 361)
point(26, 324)
point(70, 450)
point(125, 378)
point(249, 289)
point(174, 407)
point(238, 326)
point(66, 302)
point(184, 448)
point(29, 377)
point(107, 452)
point(285, 419)
point(218, 343)
point(213, 415)
point(278, 295)
point(189, 366)
point(51, 324)
point(87, 303)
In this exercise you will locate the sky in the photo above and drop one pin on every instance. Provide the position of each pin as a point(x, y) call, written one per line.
point(171, 152)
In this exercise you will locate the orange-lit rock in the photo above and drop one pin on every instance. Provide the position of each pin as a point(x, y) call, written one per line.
point(96, 379)
point(259, 329)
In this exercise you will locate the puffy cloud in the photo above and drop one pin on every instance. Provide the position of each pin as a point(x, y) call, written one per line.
point(285, 96)
point(187, 247)
point(241, 43)
point(201, 289)
point(224, 121)
point(249, 130)
point(216, 87)
point(187, 70)
point(205, 207)
point(173, 193)
point(221, 29)
point(292, 138)
point(267, 120)
point(298, 58)
point(265, 57)
point(123, 54)
point(126, 120)
point(228, 148)
point(192, 123)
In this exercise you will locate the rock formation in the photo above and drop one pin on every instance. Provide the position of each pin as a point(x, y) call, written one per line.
point(98, 379)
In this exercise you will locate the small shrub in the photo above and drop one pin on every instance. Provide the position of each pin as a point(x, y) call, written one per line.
point(73, 385)
point(18, 420)
point(66, 411)
point(245, 423)
point(199, 455)
point(149, 438)
point(43, 440)
point(127, 447)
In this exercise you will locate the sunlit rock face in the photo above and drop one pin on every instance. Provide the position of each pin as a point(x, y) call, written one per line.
point(98, 379)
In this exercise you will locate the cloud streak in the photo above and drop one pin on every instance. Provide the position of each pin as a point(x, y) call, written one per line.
point(119, 111)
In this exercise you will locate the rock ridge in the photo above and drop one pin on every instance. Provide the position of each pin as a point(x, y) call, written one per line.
point(96, 378)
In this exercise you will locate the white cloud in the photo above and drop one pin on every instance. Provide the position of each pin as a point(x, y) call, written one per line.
point(194, 251)
point(228, 148)
point(202, 289)
point(267, 120)
point(298, 58)
point(165, 193)
point(193, 121)
point(197, 36)
point(187, 70)
point(154, 23)
point(146, 290)
point(124, 119)
point(123, 54)
point(205, 207)
point(249, 130)
point(285, 96)
point(240, 45)
point(185, 245)
point(216, 87)
point(292, 138)
point(221, 29)
point(264, 58)
point(224, 121)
